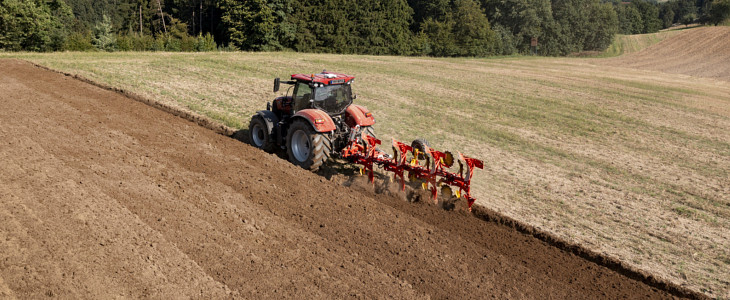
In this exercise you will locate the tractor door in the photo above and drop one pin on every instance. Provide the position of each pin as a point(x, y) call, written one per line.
point(302, 95)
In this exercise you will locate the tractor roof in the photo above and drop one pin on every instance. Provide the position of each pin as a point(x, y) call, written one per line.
point(324, 78)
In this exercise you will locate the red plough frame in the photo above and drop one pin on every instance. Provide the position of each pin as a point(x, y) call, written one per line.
point(363, 150)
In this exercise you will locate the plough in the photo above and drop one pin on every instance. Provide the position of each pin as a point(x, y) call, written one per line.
point(363, 149)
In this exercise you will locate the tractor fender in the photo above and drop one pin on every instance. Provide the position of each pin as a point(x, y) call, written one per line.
point(271, 120)
point(320, 120)
point(359, 115)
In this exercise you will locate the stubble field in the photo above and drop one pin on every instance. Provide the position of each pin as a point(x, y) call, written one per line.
point(630, 160)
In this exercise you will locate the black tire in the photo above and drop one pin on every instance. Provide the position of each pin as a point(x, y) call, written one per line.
point(306, 147)
point(421, 145)
point(424, 158)
point(259, 135)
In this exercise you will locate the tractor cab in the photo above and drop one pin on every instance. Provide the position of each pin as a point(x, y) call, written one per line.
point(329, 92)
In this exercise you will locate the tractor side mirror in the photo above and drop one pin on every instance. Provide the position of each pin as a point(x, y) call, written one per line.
point(277, 83)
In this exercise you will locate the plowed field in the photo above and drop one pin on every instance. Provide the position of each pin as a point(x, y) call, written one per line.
point(699, 52)
point(102, 196)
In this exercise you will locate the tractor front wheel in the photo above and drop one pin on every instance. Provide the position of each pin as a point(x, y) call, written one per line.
point(306, 147)
point(259, 135)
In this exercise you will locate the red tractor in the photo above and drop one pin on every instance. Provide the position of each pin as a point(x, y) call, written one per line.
point(315, 120)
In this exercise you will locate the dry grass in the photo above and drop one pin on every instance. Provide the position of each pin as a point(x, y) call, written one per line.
point(631, 163)
point(626, 44)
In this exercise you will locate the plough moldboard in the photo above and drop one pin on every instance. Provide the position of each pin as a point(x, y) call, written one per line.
point(426, 165)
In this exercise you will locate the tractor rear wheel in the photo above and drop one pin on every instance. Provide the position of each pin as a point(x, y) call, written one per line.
point(306, 147)
point(259, 135)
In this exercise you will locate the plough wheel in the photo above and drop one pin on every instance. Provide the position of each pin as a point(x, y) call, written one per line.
point(421, 145)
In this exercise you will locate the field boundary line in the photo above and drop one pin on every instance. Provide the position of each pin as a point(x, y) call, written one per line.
point(480, 212)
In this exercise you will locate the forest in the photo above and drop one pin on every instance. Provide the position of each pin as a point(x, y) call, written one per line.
point(447, 28)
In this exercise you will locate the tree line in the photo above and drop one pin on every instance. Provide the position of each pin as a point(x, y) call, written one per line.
point(393, 27)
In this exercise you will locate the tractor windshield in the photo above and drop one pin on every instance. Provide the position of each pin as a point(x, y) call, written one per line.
point(333, 99)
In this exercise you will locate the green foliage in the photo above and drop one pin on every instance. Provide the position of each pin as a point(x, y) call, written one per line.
point(584, 25)
point(527, 19)
point(630, 20)
point(642, 16)
point(683, 11)
point(205, 43)
point(505, 41)
point(428, 9)
point(169, 43)
point(27, 25)
point(666, 14)
point(649, 15)
point(473, 35)
point(61, 20)
point(79, 41)
point(603, 22)
point(719, 11)
point(125, 43)
point(323, 26)
point(364, 27)
point(689, 18)
point(250, 24)
point(104, 39)
point(439, 38)
point(381, 27)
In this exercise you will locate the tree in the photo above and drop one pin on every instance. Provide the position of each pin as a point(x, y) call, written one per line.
point(428, 9)
point(629, 19)
point(473, 35)
point(649, 16)
point(603, 22)
point(250, 24)
point(689, 18)
point(584, 24)
point(104, 38)
point(719, 11)
point(441, 35)
point(33, 26)
point(527, 19)
point(381, 27)
point(666, 14)
point(324, 26)
point(686, 12)
point(439, 39)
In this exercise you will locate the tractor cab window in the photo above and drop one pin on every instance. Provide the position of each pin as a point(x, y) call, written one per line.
point(302, 95)
point(333, 99)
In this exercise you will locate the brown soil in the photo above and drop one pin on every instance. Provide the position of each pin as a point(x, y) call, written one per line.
point(103, 196)
point(700, 52)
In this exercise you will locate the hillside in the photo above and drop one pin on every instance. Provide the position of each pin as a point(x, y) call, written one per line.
point(698, 52)
point(631, 163)
point(118, 199)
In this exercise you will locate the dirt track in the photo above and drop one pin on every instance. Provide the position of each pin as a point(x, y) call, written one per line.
point(102, 196)
point(700, 52)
